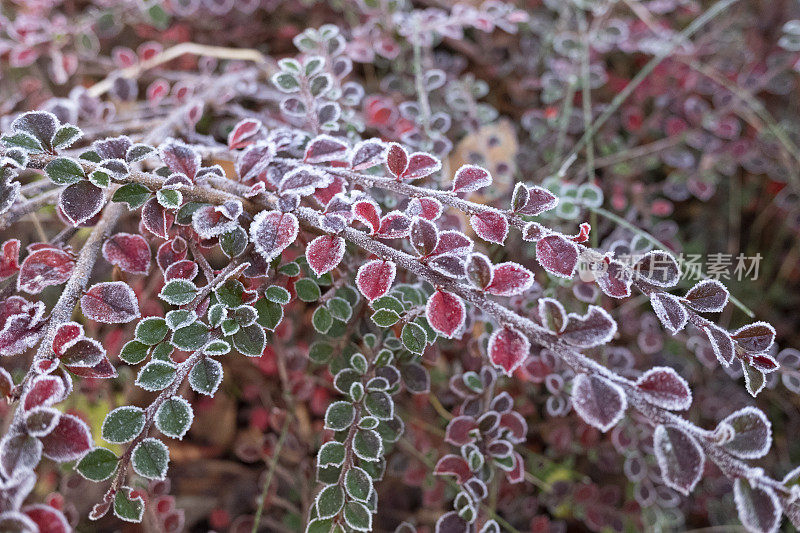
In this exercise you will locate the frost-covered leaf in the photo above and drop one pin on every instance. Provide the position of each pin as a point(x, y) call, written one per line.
point(123, 424)
point(325, 253)
point(367, 153)
point(758, 506)
point(98, 464)
point(303, 181)
point(490, 226)
point(180, 157)
point(130, 252)
point(375, 278)
point(330, 501)
point(272, 232)
point(150, 459)
point(81, 201)
point(614, 279)
point(9, 258)
point(243, 133)
point(532, 200)
point(445, 313)
point(658, 268)
point(367, 212)
point(508, 349)
point(424, 236)
point(598, 401)
point(367, 445)
point(133, 194)
point(69, 440)
point(594, 328)
point(557, 255)
point(250, 340)
point(358, 484)
point(394, 225)
point(552, 314)
point(156, 219)
point(669, 310)
point(43, 268)
point(708, 296)
point(509, 279)
point(128, 507)
point(174, 417)
point(721, 343)
point(112, 302)
point(41, 125)
point(752, 433)
point(19, 453)
point(178, 292)
point(339, 416)
point(47, 518)
point(41, 421)
point(453, 465)
point(755, 337)
point(413, 338)
point(471, 178)
point(679, 456)
point(662, 386)
point(324, 148)
point(156, 375)
point(357, 516)
point(43, 391)
point(479, 270)
point(64, 171)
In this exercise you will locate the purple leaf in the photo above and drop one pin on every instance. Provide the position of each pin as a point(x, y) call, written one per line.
point(708, 296)
point(156, 219)
point(679, 456)
point(594, 328)
point(598, 401)
point(44, 267)
point(557, 255)
point(658, 268)
point(758, 507)
point(81, 201)
point(424, 236)
point(180, 157)
point(112, 302)
point(304, 181)
point(128, 251)
point(367, 154)
point(669, 310)
point(471, 178)
point(70, 440)
point(755, 337)
point(324, 148)
point(750, 433)
point(662, 386)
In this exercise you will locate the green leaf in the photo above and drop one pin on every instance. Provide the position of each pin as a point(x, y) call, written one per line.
point(123, 424)
point(134, 352)
point(230, 293)
point(190, 338)
point(178, 292)
point(98, 464)
point(133, 194)
point(270, 314)
point(339, 416)
point(307, 290)
point(414, 338)
point(385, 318)
point(367, 445)
point(357, 516)
point(330, 501)
point(169, 198)
point(380, 405)
point(286, 82)
point(250, 340)
point(340, 308)
point(23, 140)
point(184, 215)
point(151, 330)
point(127, 508)
point(174, 417)
point(290, 269)
point(322, 319)
point(389, 302)
point(64, 171)
point(320, 526)
point(217, 347)
point(205, 376)
point(161, 352)
point(331, 453)
point(358, 484)
point(178, 318)
point(100, 179)
point(150, 459)
point(320, 352)
point(233, 242)
point(156, 375)
point(277, 294)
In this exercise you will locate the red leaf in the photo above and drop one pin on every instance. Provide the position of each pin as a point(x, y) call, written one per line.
point(458, 430)
point(665, 388)
point(396, 159)
point(180, 157)
point(110, 302)
point(471, 178)
point(9, 258)
point(324, 148)
point(453, 465)
point(708, 296)
point(490, 226)
point(509, 279)
point(427, 208)
point(102, 370)
point(325, 253)
point(453, 242)
point(45, 267)
point(48, 519)
point(170, 252)
point(755, 337)
point(517, 472)
point(211, 221)
point(326, 194)
point(557, 255)
point(81, 201)
point(394, 225)
point(420, 165)
point(272, 232)
point(70, 440)
point(129, 251)
point(614, 279)
point(368, 213)
point(424, 236)
point(516, 426)
point(445, 313)
point(534, 200)
point(508, 349)
point(243, 133)
point(183, 269)
point(304, 181)
point(156, 219)
point(44, 391)
point(374, 279)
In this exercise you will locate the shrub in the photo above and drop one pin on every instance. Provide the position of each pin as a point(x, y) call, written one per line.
point(424, 287)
